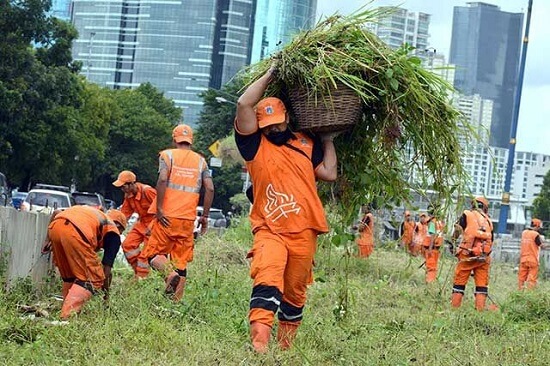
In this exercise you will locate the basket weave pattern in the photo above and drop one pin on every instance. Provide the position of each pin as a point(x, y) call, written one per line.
point(337, 112)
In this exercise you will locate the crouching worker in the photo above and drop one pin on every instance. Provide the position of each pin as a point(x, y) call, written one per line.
point(74, 236)
point(182, 174)
point(287, 214)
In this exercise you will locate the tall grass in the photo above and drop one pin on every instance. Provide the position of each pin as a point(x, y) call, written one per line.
point(391, 317)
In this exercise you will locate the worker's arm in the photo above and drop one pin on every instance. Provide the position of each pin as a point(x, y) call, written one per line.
point(47, 244)
point(208, 186)
point(126, 209)
point(111, 246)
point(327, 170)
point(162, 182)
point(246, 122)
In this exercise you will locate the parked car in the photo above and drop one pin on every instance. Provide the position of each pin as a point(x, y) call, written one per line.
point(17, 199)
point(46, 198)
point(110, 204)
point(216, 219)
point(90, 199)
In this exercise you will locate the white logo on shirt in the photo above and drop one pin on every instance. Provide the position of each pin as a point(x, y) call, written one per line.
point(279, 204)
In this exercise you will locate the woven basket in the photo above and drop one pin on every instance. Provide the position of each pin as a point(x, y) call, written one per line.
point(338, 112)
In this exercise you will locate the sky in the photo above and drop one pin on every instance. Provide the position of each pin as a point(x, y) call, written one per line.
point(533, 134)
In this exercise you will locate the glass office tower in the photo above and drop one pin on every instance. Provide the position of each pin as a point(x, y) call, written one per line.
point(485, 47)
point(178, 46)
point(61, 9)
point(277, 21)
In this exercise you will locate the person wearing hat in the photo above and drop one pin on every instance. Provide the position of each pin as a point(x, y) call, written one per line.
point(287, 214)
point(406, 230)
point(365, 241)
point(531, 243)
point(74, 236)
point(138, 198)
point(419, 234)
point(432, 243)
point(182, 175)
point(473, 252)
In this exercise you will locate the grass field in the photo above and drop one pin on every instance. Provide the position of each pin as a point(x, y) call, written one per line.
point(360, 312)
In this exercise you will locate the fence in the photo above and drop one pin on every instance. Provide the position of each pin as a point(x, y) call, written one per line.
point(21, 238)
point(506, 249)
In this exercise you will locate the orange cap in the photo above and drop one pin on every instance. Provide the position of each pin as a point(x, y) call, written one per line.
point(424, 214)
point(118, 217)
point(183, 133)
point(536, 223)
point(482, 200)
point(124, 177)
point(270, 111)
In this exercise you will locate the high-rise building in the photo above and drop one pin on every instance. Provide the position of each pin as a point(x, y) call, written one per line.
point(181, 47)
point(485, 47)
point(277, 21)
point(61, 9)
point(403, 26)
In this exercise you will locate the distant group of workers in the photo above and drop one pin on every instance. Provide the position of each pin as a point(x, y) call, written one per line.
point(286, 218)
point(473, 233)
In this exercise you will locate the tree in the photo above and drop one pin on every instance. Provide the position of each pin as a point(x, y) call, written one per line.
point(39, 92)
point(216, 123)
point(541, 204)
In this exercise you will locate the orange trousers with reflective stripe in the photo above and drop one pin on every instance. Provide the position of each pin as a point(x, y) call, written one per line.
point(284, 261)
point(132, 250)
point(73, 256)
point(175, 240)
point(528, 272)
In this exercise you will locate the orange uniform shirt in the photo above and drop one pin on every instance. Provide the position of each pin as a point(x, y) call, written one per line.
point(529, 250)
point(285, 192)
point(140, 203)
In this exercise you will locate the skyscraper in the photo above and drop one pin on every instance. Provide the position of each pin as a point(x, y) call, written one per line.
point(61, 9)
point(403, 26)
point(277, 21)
point(485, 47)
point(181, 47)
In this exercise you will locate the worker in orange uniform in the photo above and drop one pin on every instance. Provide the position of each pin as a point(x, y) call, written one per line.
point(365, 241)
point(531, 243)
point(138, 198)
point(287, 214)
point(406, 231)
point(419, 234)
point(74, 236)
point(182, 174)
point(431, 245)
point(473, 252)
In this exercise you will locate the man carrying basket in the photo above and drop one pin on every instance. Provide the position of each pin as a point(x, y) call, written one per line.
point(287, 214)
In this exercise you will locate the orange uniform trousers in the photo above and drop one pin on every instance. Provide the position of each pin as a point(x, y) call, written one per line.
point(73, 256)
point(465, 268)
point(175, 240)
point(281, 268)
point(432, 259)
point(132, 250)
point(528, 272)
point(365, 244)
